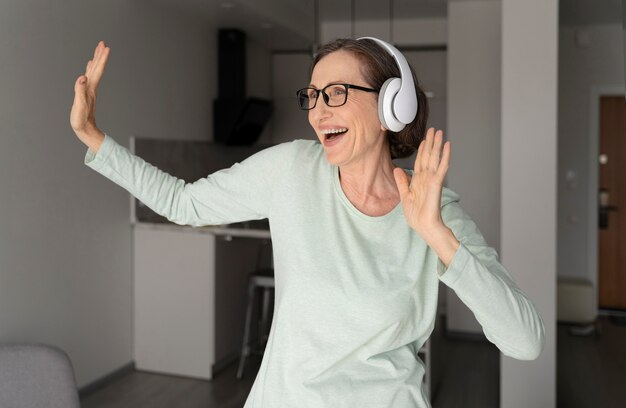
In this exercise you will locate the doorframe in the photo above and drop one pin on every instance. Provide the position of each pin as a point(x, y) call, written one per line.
point(597, 92)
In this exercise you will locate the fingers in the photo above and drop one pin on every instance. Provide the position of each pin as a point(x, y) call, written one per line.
point(433, 162)
point(429, 151)
point(431, 157)
point(95, 67)
point(96, 54)
point(426, 147)
point(445, 161)
point(95, 51)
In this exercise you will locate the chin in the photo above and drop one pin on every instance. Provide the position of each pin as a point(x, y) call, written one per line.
point(335, 159)
point(332, 159)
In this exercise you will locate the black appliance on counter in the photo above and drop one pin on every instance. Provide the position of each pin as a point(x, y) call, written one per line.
point(237, 119)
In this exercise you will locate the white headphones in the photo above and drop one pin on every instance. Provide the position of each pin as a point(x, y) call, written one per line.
point(397, 101)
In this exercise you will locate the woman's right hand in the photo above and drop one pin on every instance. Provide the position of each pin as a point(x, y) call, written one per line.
point(83, 114)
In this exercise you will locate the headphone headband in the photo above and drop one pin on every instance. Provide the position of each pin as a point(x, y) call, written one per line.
point(404, 104)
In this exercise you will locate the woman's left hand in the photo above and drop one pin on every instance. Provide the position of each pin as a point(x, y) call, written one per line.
point(421, 200)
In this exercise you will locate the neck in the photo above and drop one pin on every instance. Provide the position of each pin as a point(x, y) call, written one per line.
point(370, 177)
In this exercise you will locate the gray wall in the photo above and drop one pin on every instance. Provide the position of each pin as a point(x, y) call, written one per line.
point(589, 56)
point(65, 238)
point(259, 79)
point(474, 43)
point(290, 72)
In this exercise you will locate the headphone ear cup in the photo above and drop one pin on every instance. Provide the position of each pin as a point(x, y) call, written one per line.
point(387, 93)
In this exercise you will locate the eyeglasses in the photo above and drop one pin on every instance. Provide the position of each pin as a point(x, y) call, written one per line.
point(334, 95)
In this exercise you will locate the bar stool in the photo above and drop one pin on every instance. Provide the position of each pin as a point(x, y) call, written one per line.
point(261, 279)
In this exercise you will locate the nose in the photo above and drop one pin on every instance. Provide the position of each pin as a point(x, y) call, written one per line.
point(320, 111)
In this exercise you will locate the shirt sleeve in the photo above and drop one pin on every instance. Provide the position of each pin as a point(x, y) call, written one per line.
point(240, 193)
point(508, 318)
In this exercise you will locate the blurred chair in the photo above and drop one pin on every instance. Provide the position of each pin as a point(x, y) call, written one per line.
point(261, 279)
point(426, 356)
point(36, 376)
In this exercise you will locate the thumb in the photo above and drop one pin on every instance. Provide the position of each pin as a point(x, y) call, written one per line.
point(80, 84)
point(402, 181)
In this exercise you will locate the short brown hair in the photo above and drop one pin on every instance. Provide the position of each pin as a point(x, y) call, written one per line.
point(378, 66)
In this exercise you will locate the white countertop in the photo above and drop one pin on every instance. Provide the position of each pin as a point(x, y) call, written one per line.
point(218, 230)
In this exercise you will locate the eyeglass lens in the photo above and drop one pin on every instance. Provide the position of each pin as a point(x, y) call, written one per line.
point(334, 95)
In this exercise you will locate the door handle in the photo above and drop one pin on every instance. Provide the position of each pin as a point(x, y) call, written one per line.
point(604, 208)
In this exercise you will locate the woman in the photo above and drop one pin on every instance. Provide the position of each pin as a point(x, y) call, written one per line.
point(359, 245)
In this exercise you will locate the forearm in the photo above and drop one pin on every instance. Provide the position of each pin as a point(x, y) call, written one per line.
point(444, 243)
point(239, 193)
point(161, 192)
point(509, 319)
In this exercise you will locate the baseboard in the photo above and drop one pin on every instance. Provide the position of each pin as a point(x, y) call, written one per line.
point(224, 362)
point(612, 312)
point(106, 379)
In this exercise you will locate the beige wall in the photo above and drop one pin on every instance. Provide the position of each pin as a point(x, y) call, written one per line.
point(529, 185)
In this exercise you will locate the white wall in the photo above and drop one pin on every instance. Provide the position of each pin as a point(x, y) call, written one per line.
point(474, 42)
point(589, 56)
point(406, 32)
point(65, 238)
point(529, 185)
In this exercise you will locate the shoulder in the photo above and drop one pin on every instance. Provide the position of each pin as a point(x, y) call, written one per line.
point(284, 156)
point(298, 146)
point(299, 151)
point(307, 147)
point(283, 152)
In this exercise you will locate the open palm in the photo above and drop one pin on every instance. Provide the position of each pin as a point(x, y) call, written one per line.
point(83, 114)
point(421, 199)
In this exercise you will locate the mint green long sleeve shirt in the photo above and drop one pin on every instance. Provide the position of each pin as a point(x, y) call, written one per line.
point(356, 295)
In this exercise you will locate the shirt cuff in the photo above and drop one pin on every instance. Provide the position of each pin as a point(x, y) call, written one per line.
point(96, 160)
point(456, 267)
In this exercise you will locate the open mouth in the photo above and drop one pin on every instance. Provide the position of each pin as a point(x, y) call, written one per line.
point(331, 134)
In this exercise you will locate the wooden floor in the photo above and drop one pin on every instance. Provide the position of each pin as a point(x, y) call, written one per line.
point(591, 372)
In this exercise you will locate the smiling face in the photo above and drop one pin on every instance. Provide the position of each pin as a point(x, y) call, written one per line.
point(351, 133)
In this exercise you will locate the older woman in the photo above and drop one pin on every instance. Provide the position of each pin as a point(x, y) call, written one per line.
point(359, 244)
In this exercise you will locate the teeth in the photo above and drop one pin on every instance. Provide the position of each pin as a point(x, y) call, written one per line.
point(332, 131)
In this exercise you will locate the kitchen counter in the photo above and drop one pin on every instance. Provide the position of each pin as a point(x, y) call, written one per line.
point(239, 230)
point(190, 286)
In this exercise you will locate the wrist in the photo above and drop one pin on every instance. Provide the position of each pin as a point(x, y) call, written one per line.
point(92, 137)
point(443, 241)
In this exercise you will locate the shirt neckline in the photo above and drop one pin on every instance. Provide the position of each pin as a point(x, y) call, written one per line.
point(344, 199)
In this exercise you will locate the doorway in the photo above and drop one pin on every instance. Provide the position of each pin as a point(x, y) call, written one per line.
point(612, 203)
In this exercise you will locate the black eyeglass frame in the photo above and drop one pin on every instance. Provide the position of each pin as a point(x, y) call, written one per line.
point(327, 98)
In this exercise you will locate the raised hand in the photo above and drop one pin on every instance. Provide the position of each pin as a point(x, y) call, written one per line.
point(421, 200)
point(83, 114)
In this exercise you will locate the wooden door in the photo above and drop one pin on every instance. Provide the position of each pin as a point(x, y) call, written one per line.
point(612, 203)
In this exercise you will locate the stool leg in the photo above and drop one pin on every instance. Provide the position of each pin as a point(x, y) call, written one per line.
point(265, 317)
point(428, 373)
point(245, 349)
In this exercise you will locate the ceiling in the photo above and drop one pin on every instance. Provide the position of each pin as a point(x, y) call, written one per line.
point(283, 25)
